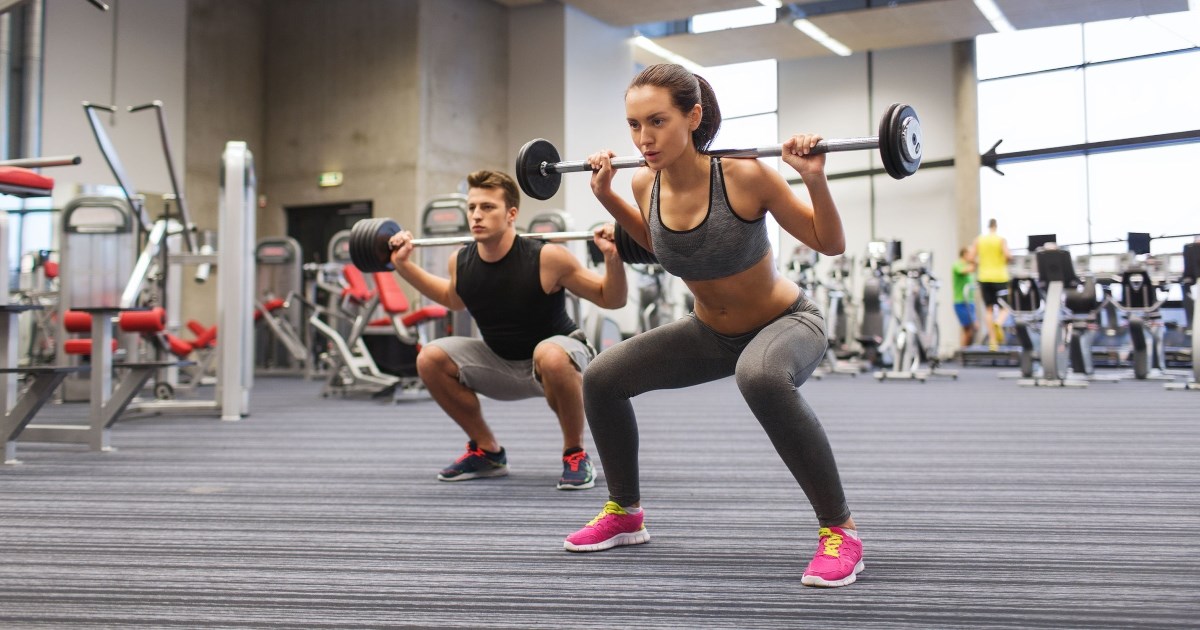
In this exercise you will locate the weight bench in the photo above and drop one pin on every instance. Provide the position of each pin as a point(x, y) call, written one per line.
point(18, 181)
point(40, 385)
point(281, 327)
point(351, 367)
point(395, 304)
point(406, 325)
point(107, 402)
point(42, 381)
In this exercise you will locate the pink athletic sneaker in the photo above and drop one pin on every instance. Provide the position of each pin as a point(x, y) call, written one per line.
point(612, 527)
point(838, 560)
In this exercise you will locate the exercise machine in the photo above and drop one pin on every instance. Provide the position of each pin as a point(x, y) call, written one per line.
point(1190, 282)
point(916, 335)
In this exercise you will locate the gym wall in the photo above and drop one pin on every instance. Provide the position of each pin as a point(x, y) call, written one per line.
point(537, 85)
point(226, 85)
point(404, 97)
point(595, 110)
point(130, 55)
point(567, 78)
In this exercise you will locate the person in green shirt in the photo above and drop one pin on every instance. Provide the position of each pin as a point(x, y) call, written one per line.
point(964, 296)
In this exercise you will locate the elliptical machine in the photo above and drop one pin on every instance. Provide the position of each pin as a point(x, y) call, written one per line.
point(1026, 303)
point(1064, 328)
point(874, 331)
point(1141, 305)
point(1190, 282)
point(916, 335)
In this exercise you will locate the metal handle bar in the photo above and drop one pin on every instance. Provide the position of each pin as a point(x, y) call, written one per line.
point(58, 160)
point(824, 146)
point(464, 240)
point(138, 108)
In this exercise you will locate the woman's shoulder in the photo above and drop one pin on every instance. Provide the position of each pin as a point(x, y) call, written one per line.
point(643, 177)
point(643, 181)
point(744, 169)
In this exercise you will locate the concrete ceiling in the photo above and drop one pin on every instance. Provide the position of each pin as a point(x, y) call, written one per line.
point(887, 25)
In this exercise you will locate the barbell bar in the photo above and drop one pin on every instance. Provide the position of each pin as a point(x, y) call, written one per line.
point(370, 250)
point(539, 169)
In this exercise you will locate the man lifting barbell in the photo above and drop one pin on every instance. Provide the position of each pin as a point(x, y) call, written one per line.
point(513, 288)
point(704, 219)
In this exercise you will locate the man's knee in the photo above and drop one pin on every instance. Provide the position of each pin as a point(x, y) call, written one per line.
point(433, 361)
point(552, 361)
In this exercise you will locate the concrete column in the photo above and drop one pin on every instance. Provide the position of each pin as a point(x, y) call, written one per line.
point(966, 142)
point(463, 68)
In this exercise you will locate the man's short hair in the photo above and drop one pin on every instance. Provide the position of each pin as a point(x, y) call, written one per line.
point(497, 179)
point(991, 223)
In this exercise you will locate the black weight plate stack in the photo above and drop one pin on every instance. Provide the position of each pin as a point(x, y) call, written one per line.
point(529, 169)
point(630, 251)
point(366, 243)
point(904, 165)
point(356, 254)
point(889, 145)
point(366, 263)
point(369, 250)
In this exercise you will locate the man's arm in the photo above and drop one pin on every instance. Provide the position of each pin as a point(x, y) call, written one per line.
point(439, 289)
point(606, 291)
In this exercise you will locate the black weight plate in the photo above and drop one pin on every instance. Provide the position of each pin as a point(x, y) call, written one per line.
point(903, 163)
point(629, 249)
point(529, 169)
point(887, 141)
point(897, 136)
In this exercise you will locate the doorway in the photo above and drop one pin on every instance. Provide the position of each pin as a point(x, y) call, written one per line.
point(314, 226)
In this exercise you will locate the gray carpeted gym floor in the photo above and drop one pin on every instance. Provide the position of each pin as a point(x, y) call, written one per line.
point(981, 505)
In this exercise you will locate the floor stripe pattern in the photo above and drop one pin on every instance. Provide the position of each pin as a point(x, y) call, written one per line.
point(981, 505)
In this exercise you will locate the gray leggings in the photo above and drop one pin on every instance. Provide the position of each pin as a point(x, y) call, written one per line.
point(769, 364)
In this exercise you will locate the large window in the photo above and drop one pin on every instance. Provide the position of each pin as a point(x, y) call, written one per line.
point(1096, 82)
point(749, 97)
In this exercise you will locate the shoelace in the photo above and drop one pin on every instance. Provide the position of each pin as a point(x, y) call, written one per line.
point(832, 541)
point(574, 459)
point(477, 452)
point(609, 508)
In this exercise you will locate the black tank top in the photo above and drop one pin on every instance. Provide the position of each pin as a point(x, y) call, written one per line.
point(506, 299)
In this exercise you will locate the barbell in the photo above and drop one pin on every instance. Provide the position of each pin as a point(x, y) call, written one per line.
point(539, 171)
point(370, 250)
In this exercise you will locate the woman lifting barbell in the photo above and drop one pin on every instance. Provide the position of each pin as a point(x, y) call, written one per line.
point(704, 218)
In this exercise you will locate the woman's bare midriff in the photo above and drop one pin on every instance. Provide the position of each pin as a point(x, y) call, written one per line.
point(744, 301)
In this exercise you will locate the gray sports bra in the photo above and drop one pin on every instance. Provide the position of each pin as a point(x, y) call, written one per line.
point(722, 245)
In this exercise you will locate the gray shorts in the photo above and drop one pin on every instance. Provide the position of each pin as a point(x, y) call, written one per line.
point(485, 372)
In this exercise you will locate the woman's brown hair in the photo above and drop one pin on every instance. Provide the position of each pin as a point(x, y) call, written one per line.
point(687, 89)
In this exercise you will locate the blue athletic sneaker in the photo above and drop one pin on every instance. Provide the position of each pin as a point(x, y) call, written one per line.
point(476, 464)
point(578, 472)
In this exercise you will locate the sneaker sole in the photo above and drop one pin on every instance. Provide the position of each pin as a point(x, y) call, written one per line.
point(579, 486)
point(631, 538)
point(818, 581)
point(499, 472)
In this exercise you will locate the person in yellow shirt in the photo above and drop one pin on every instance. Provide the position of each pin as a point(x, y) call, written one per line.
point(990, 254)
